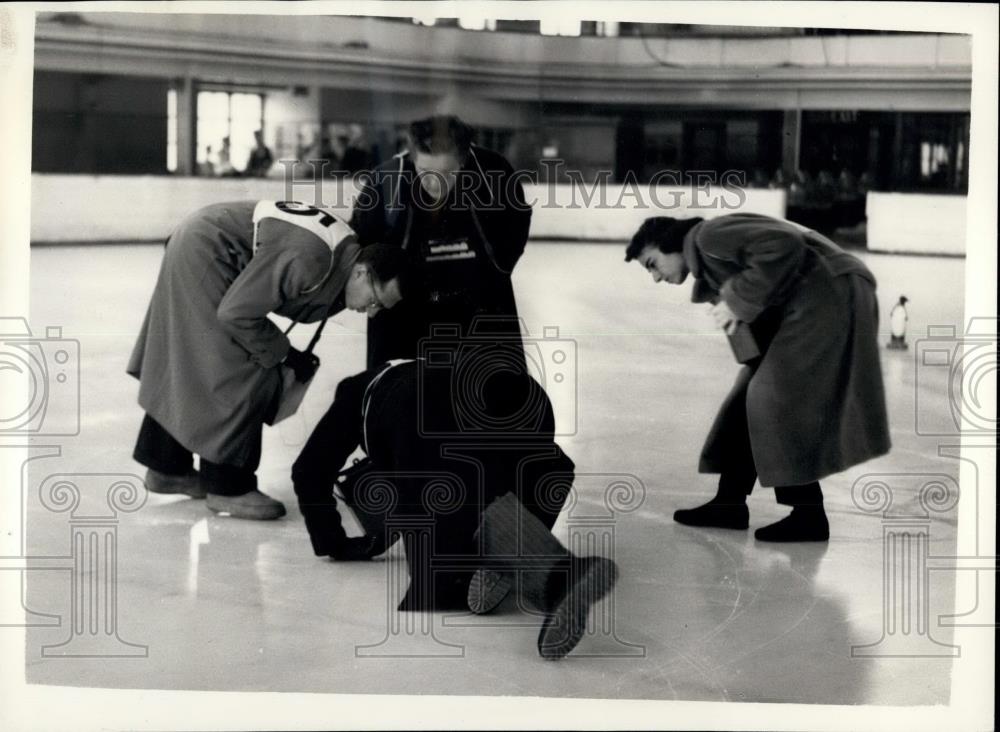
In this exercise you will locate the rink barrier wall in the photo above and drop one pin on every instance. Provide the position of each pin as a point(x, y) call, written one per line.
point(84, 208)
point(614, 214)
point(99, 209)
point(110, 208)
point(916, 223)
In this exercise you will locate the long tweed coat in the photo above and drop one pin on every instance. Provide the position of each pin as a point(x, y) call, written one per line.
point(815, 401)
point(207, 355)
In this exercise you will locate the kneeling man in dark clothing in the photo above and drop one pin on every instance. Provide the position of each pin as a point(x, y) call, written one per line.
point(474, 482)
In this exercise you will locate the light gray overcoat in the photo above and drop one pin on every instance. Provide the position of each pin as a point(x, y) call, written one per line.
point(207, 355)
point(815, 404)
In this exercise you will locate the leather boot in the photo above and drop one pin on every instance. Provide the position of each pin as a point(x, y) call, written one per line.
point(548, 577)
point(728, 510)
point(573, 588)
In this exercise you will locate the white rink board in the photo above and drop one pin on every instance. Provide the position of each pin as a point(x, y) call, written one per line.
point(916, 223)
point(111, 208)
point(564, 211)
point(85, 208)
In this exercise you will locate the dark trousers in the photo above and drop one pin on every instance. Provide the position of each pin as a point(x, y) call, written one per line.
point(157, 449)
point(738, 477)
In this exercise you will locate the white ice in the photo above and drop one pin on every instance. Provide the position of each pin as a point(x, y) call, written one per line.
point(697, 615)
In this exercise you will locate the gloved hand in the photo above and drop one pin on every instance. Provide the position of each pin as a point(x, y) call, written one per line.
point(303, 364)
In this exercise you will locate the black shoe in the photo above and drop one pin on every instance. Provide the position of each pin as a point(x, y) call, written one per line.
point(802, 524)
point(564, 626)
point(715, 515)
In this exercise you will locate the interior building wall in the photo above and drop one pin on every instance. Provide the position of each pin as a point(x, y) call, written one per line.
point(90, 123)
point(103, 123)
point(688, 141)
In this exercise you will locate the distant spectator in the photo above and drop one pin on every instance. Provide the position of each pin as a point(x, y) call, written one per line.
point(814, 204)
point(225, 168)
point(302, 148)
point(823, 192)
point(849, 207)
point(847, 184)
point(866, 182)
point(338, 149)
point(328, 154)
point(309, 154)
point(260, 160)
point(207, 168)
point(759, 179)
point(941, 177)
point(797, 188)
point(357, 156)
point(326, 151)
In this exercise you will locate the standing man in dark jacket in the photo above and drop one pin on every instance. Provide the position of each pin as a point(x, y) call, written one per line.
point(811, 402)
point(460, 212)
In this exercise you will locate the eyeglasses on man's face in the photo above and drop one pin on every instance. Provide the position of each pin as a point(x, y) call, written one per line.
point(375, 304)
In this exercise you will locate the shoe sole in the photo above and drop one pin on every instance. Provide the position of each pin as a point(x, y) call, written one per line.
point(565, 626)
point(251, 514)
point(711, 526)
point(792, 540)
point(787, 532)
point(741, 525)
point(487, 589)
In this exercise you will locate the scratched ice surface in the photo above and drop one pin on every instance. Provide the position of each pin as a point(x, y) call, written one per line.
point(697, 614)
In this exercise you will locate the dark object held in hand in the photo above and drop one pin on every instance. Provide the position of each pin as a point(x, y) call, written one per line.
point(304, 364)
point(743, 343)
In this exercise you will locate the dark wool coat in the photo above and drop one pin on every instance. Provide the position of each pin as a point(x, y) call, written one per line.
point(495, 223)
point(207, 355)
point(404, 418)
point(815, 402)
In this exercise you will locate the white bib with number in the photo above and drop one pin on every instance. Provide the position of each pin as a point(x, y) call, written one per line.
point(322, 222)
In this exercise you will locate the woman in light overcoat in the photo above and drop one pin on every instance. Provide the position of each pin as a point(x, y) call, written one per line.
point(811, 402)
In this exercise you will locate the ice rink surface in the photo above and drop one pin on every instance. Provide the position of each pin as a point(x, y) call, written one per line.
point(224, 604)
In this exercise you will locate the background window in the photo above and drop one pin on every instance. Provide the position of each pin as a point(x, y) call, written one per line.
point(172, 130)
point(232, 115)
